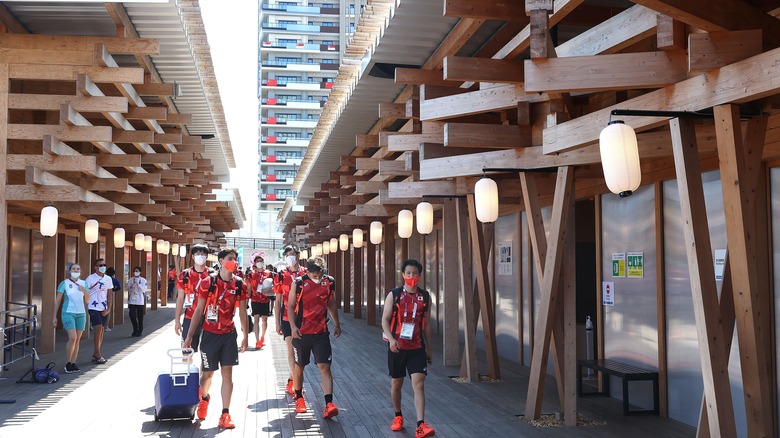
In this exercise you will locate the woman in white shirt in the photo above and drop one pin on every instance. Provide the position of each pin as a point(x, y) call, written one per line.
point(136, 301)
point(74, 314)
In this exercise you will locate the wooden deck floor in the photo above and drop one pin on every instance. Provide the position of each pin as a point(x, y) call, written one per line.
point(117, 398)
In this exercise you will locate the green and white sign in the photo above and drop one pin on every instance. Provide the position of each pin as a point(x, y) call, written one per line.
point(636, 265)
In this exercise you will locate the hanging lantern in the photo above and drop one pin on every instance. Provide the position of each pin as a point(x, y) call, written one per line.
point(305, 254)
point(119, 237)
point(318, 249)
point(175, 249)
point(357, 238)
point(375, 233)
point(49, 218)
point(424, 218)
point(334, 245)
point(91, 231)
point(405, 223)
point(160, 246)
point(343, 242)
point(620, 158)
point(183, 251)
point(148, 243)
point(486, 200)
point(139, 242)
point(326, 247)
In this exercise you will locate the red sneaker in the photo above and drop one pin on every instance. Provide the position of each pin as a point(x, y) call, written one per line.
point(330, 411)
point(423, 431)
point(289, 387)
point(300, 405)
point(398, 424)
point(258, 345)
point(225, 422)
point(203, 408)
point(262, 341)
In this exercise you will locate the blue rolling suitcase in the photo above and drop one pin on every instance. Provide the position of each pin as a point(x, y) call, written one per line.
point(176, 393)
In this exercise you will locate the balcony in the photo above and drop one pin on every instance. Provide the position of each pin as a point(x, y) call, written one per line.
point(302, 47)
point(299, 9)
point(271, 160)
point(302, 85)
point(271, 140)
point(300, 28)
point(292, 104)
point(289, 123)
point(272, 197)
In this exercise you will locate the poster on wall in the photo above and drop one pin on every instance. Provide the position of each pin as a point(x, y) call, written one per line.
point(505, 258)
point(720, 264)
point(618, 264)
point(608, 293)
point(636, 265)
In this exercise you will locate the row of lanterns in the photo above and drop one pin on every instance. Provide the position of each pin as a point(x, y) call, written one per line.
point(342, 243)
point(50, 218)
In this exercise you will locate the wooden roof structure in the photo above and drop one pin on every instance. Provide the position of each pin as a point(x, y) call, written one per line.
point(535, 97)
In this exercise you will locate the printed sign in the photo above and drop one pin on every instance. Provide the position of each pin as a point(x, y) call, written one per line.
point(618, 264)
point(504, 258)
point(608, 293)
point(720, 264)
point(636, 263)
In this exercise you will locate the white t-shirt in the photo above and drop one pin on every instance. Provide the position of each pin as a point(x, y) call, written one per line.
point(74, 297)
point(136, 289)
point(98, 291)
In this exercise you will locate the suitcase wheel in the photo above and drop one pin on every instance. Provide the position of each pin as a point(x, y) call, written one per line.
point(156, 418)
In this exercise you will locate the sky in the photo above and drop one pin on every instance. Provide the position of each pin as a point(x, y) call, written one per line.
point(231, 28)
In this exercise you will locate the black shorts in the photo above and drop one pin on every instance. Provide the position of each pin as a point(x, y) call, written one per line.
point(318, 344)
point(216, 350)
point(96, 317)
point(411, 361)
point(286, 330)
point(185, 328)
point(262, 309)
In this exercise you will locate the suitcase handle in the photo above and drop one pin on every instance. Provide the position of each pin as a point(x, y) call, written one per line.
point(179, 379)
point(180, 361)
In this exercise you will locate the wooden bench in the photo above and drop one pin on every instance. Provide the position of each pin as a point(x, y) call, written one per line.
point(627, 373)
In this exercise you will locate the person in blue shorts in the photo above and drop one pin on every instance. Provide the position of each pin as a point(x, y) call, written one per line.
point(74, 314)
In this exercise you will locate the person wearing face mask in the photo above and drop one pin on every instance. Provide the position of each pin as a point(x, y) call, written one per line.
point(310, 301)
point(284, 280)
point(186, 292)
point(75, 292)
point(261, 303)
point(404, 326)
point(100, 302)
point(217, 299)
point(136, 301)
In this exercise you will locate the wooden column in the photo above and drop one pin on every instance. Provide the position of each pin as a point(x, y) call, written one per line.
point(154, 277)
point(346, 279)
point(468, 368)
point(660, 298)
point(84, 254)
point(450, 330)
point(709, 327)
point(739, 165)
point(371, 284)
point(48, 295)
point(163, 279)
point(119, 305)
point(414, 243)
point(599, 347)
point(3, 182)
point(109, 258)
point(549, 282)
point(567, 344)
point(357, 281)
point(335, 272)
point(391, 280)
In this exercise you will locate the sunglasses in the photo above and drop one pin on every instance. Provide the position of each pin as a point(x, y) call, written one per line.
point(100, 266)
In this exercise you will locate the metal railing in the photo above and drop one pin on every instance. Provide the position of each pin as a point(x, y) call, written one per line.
point(20, 324)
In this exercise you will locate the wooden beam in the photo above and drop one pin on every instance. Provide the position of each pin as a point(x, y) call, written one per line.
point(605, 72)
point(377, 210)
point(48, 102)
point(504, 10)
point(61, 132)
point(717, 49)
point(392, 110)
point(67, 163)
point(671, 33)
point(416, 76)
point(462, 68)
point(469, 363)
point(402, 142)
point(472, 135)
point(475, 102)
point(154, 89)
point(147, 113)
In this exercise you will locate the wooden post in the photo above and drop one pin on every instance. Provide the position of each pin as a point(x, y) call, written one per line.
point(371, 286)
point(709, 327)
point(568, 342)
point(660, 298)
point(468, 367)
point(153, 278)
point(599, 306)
point(450, 331)
point(357, 281)
point(163, 279)
point(48, 295)
point(119, 304)
point(738, 169)
point(3, 182)
point(390, 266)
point(346, 279)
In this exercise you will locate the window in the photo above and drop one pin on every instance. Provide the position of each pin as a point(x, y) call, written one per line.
point(289, 154)
point(288, 97)
point(286, 79)
point(328, 61)
point(287, 22)
point(328, 43)
point(286, 173)
point(286, 41)
point(328, 24)
point(287, 60)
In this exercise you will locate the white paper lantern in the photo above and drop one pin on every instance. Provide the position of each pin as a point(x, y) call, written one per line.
point(334, 245)
point(119, 237)
point(486, 200)
point(183, 251)
point(357, 238)
point(91, 231)
point(139, 242)
point(305, 254)
point(405, 223)
point(175, 249)
point(343, 242)
point(49, 219)
point(160, 246)
point(620, 158)
point(375, 233)
point(326, 247)
point(148, 243)
point(424, 218)
point(318, 250)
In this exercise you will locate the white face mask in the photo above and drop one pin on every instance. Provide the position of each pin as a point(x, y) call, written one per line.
point(291, 260)
point(200, 260)
point(259, 265)
point(75, 275)
point(137, 274)
point(102, 269)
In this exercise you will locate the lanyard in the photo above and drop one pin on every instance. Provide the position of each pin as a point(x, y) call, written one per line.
point(414, 309)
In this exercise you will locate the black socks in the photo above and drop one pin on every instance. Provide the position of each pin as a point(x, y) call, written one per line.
point(207, 398)
point(298, 393)
point(328, 398)
point(398, 414)
point(225, 411)
point(420, 422)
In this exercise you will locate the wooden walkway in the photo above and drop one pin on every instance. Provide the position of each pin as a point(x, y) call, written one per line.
point(118, 397)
